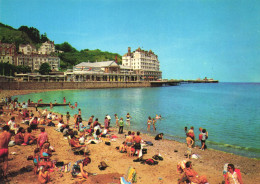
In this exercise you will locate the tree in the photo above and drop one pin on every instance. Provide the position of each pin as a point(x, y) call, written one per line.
point(65, 47)
point(45, 69)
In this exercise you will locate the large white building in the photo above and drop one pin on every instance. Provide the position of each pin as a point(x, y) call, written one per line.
point(144, 63)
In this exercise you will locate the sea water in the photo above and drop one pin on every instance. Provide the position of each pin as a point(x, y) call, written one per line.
point(230, 112)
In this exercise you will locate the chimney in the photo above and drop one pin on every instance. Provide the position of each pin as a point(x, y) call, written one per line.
point(129, 51)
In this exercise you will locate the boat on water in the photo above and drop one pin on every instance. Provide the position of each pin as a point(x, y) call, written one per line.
point(46, 104)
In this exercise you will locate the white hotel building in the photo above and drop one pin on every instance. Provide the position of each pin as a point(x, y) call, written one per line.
point(143, 63)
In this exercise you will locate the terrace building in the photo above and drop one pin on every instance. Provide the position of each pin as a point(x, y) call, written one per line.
point(27, 49)
point(47, 48)
point(7, 53)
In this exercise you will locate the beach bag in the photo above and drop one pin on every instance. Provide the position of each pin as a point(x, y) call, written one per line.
point(151, 162)
point(107, 143)
point(157, 157)
point(102, 165)
point(144, 151)
point(149, 143)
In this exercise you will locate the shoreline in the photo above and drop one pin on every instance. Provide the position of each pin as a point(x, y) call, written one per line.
point(166, 169)
point(24, 92)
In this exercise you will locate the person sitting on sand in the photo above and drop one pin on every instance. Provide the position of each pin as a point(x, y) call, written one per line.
point(28, 137)
point(19, 137)
point(34, 123)
point(77, 169)
point(122, 147)
point(159, 136)
point(233, 176)
point(36, 159)
point(44, 175)
point(191, 175)
point(77, 146)
point(12, 124)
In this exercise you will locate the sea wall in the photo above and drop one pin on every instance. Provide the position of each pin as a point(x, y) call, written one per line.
point(70, 85)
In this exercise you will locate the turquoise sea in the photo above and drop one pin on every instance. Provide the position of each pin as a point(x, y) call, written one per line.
point(229, 111)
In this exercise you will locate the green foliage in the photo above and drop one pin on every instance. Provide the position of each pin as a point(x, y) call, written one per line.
point(74, 58)
point(65, 47)
point(45, 69)
point(9, 69)
point(23, 69)
point(34, 34)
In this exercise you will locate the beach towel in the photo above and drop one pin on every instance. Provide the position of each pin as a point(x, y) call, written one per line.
point(123, 181)
point(131, 175)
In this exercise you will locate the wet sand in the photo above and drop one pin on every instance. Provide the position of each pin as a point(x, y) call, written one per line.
point(210, 163)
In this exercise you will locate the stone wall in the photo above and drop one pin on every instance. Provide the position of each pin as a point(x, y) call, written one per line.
point(69, 85)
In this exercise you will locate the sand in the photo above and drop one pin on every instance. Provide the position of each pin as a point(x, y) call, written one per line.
point(210, 163)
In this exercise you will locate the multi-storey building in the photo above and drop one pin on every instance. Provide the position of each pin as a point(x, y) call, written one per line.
point(144, 63)
point(35, 61)
point(47, 48)
point(7, 53)
point(27, 49)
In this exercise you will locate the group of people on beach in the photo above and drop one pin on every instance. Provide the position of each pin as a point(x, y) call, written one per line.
point(81, 134)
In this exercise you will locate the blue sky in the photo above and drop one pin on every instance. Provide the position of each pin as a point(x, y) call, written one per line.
point(193, 39)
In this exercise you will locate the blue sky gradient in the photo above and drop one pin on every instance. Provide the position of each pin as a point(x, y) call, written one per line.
point(193, 39)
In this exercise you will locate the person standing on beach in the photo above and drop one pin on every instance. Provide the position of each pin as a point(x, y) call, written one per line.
point(5, 138)
point(121, 126)
point(190, 142)
point(137, 140)
point(154, 121)
point(149, 122)
point(68, 117)
point(116, 117)
point(192, 135)
point(42, 138)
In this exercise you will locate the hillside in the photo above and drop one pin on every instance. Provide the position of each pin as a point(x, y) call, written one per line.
point(11, 35)
point(70, 55)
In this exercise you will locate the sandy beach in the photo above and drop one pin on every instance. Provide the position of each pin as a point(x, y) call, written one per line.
point(210, 163)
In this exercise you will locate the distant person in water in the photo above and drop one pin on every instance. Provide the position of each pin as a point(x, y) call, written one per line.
point(185, 130)
point(64, 100)
point(76, 104)
point(149, 122)
point(128, 119)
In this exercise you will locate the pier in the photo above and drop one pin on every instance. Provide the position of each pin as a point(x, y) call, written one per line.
point(178, 82)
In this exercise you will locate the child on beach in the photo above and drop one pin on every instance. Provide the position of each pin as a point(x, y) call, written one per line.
point(44, 176)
